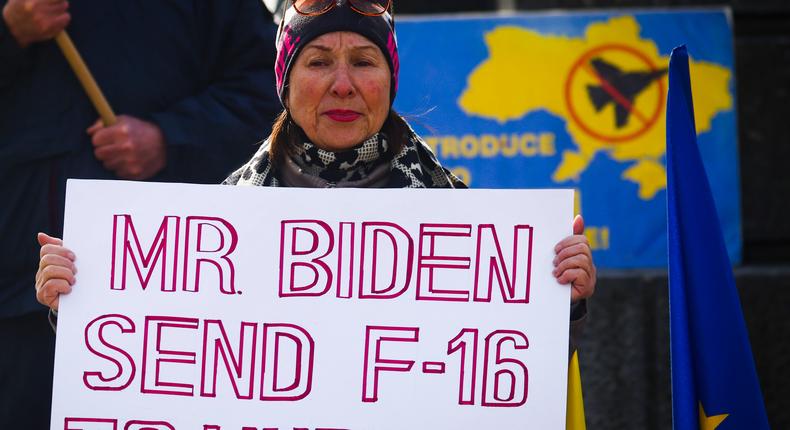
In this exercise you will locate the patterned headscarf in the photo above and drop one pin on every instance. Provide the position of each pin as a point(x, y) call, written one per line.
point(415, 165)
point(297, 31)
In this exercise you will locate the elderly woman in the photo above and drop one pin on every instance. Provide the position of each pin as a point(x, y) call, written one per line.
point(337, 75)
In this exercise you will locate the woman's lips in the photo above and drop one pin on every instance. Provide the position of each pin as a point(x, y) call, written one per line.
point(342, 115)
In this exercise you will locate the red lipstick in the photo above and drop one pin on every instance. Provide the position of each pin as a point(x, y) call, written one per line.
point(342, 115)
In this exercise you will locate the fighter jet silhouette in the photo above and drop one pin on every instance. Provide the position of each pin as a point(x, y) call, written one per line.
point(626, 86)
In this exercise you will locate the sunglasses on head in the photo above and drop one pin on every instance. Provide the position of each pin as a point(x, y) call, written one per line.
point(318, 7)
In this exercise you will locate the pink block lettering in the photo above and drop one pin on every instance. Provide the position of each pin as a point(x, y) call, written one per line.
point(209, 242)
point(375, 363)
point(97, 343)
point(505, 379)
point(303, 245)
point(429, 261)
point(345, 260)
point(490, 265)
point(90, 424)
point(163, 253)
point(155, 355)
point(148, 425)
point(468, 374)
point(384, 241)
point(240, 366)
point(276, 365)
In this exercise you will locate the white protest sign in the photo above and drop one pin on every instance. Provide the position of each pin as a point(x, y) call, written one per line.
point(207, 307)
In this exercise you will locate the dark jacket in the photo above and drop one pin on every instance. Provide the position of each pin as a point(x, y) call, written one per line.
point(202, 70)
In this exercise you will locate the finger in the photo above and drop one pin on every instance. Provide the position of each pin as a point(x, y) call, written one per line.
point(60, 22)
point(570, 251)
point(578, 224)
point(577, 261)
point(49, 293)
point(109, 152)
point(577, 295)
point(54, 8)
point(110, 135)
point(576, 276)
point(44, 239)
point(49, 273)
point(58, 250)
point(98, 125)
point(582, 291)
point(103, 136)
point(114, 164)
point(52, 288)
point(570, 241)
point(57, 260)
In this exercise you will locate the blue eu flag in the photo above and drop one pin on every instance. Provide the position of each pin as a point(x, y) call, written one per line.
point(714, 382)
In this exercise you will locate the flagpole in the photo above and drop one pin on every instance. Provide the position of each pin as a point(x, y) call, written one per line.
point(86, 78)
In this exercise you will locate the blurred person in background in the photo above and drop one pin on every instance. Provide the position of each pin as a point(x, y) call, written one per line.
point(193, 84)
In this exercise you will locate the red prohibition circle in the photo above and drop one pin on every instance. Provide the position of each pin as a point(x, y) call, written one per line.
point(584, 59)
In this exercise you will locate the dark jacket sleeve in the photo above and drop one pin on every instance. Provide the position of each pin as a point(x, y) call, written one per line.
point(13, 58)
point(215, 130)
point(578, 321)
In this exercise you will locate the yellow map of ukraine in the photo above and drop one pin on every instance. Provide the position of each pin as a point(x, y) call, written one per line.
point(609, 87)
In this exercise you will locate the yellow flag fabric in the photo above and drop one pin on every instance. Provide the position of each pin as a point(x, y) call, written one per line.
point(575, 411)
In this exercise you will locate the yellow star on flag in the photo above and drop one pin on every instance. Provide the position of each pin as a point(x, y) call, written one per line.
point(709, 423)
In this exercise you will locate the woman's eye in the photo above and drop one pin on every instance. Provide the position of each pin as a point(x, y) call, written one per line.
point(317, 63)
point(363, 63)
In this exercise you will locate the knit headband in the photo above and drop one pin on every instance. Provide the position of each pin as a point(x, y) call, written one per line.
point(298, 30)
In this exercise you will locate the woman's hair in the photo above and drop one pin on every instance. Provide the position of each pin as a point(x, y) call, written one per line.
point(287, 135)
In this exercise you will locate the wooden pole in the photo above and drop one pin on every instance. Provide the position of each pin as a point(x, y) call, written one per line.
point(86, 78)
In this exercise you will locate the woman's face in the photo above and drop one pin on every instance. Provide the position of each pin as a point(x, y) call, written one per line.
point(339, 90)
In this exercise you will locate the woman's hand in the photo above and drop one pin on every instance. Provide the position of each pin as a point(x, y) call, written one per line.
point(573, 263)
point(56, 271)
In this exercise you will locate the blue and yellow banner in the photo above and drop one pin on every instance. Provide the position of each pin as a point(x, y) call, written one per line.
point(576, 100)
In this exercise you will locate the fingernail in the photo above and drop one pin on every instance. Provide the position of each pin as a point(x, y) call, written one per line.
point(71, 256)
point(74, 269)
